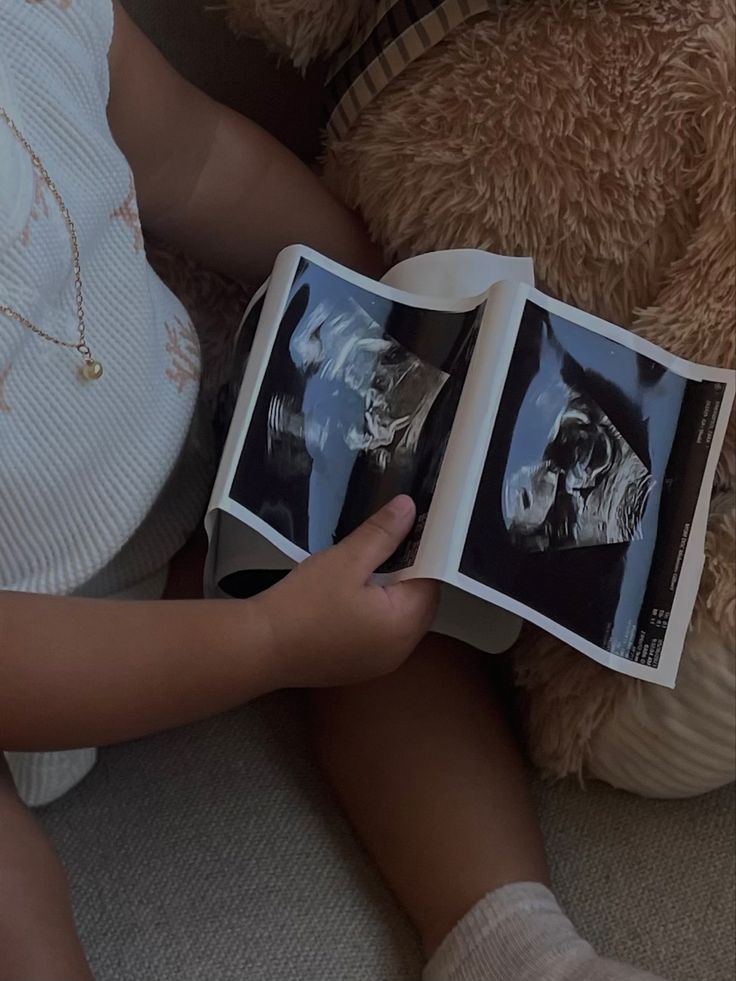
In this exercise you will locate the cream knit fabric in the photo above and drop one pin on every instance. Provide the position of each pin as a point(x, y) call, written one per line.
point(82, 464)
point(519, 933)
point(96, 493)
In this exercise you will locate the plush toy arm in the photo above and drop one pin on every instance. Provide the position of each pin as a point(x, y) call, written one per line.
point(302, 30)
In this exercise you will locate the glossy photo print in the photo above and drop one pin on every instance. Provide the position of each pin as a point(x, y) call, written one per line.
point(230, 389)
point(356, 405)
point(590, 484)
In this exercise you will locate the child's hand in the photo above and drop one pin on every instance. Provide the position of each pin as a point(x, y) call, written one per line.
point(171, 662)
point(331, 626)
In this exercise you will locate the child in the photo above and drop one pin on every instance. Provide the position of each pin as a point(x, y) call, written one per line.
point(103, 479)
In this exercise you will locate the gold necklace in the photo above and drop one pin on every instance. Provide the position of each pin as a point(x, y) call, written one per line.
point(91, 370)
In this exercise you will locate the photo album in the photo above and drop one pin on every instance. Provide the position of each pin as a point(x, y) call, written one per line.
point(561, 466)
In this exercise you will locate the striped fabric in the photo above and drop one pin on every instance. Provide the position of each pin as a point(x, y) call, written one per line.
point(397, 33)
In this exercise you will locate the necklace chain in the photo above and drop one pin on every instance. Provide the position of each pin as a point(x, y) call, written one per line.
point(92, 369)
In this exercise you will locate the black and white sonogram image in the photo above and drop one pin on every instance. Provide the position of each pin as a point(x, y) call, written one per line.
point(589, 484)
point(356, 406)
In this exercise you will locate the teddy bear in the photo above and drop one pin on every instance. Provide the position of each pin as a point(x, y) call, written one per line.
point(598, 137)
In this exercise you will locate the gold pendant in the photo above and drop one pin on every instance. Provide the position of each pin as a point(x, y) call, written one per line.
point(91, 370)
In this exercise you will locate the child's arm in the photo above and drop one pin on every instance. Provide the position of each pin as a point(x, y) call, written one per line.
point(210, 181)
point(77, 672)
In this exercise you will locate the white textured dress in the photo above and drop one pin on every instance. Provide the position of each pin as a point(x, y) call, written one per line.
point(96, 493)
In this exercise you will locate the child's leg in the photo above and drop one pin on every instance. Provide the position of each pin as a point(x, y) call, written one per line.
point(433, 783)
point(37, 934)
point(429, 775)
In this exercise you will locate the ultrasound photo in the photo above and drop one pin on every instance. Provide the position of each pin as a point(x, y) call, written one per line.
point(589, 484)
point(586, 486)
point(356, 405)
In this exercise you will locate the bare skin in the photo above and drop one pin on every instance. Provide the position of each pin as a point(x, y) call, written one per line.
point(429, 774)
point(37, 934)
point(153, 676)
point(425, 766)
point(203, 174)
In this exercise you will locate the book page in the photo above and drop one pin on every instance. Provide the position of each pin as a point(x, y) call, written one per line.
point(588, 516)
point(456, 273)
point(348, 400)
point(463, 459)
point(242, 343)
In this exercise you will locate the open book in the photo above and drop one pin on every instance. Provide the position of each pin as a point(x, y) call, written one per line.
point(561, 466)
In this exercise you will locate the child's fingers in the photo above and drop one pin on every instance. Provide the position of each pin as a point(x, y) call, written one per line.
point(377, 539)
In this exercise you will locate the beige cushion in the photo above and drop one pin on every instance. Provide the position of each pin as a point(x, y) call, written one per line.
point(664, 743)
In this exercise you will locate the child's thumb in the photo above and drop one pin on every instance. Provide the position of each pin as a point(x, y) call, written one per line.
point(415, 603)
point(377, 539)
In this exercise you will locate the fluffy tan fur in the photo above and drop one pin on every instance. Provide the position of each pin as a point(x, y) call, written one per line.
point(599, 138)
point(316, 28)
